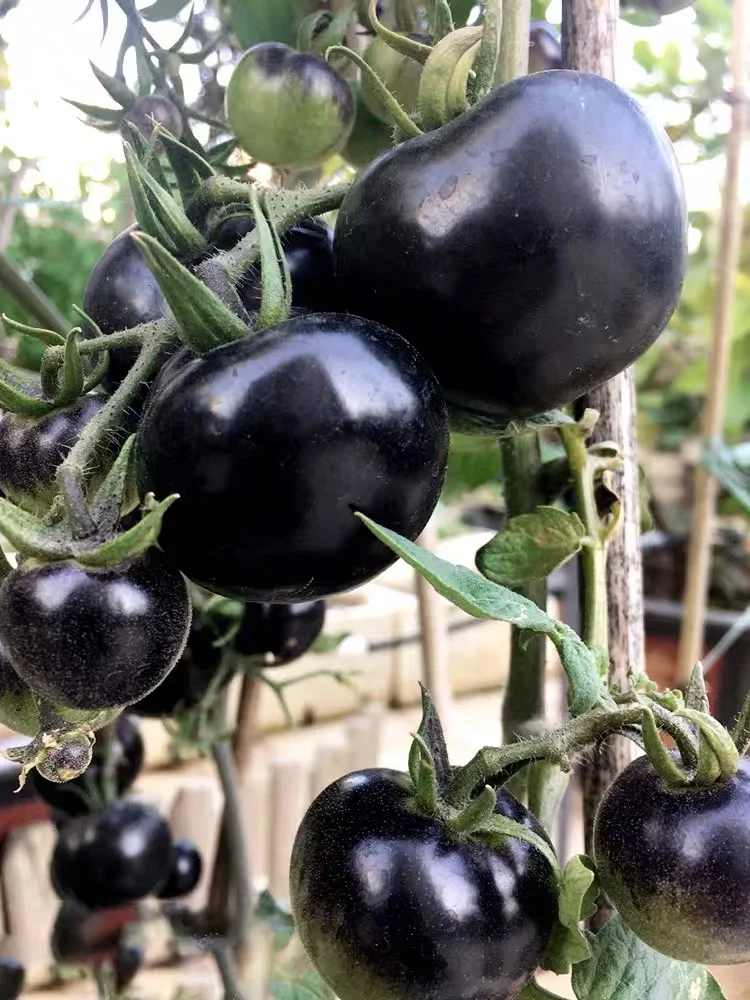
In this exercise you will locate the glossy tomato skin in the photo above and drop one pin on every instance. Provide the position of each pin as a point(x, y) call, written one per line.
point(530, 249)
point(276, 439)
point(676, 864)
point(185, 685)
point(308, 247)
point(122, 292)
point(279, 633)
point(185, 869)
point(94, 639)
point(387, 904)
point(288, 108)
point(113, 857)
point(74, 798)
point(32, 449)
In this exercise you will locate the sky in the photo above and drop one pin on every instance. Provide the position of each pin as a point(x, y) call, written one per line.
point(48, 58)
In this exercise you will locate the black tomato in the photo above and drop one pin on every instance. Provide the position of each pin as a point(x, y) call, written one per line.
point(530, 249)
point(12, 977)
point(94, 639)
point(676, 864)
point(545, 47)
point(388, 904)
point(288, 108)
point(185, 868)
point(275, 440)
point(83, 794)
point(308, 247)
point(32, 449)
point(279, 633)
point(122, 292)
point(187, 683)
point(154, 108)
point(113, 857)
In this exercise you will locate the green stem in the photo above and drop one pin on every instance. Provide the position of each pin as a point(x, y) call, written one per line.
point(238, 856)
point(132, 337)
point(30, 297)
point(71, 474)
point(524, 696)
point(487, 62)
point(583, 469)
point(560, 745)
point(514, 41)
point(228, 973)
point(741, 731)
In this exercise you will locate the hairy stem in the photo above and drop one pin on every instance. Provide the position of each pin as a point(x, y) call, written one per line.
point(514, 41)
point(524, 696)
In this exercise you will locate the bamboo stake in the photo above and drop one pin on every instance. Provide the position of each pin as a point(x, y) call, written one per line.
point(434, 628)
point(706, 487)
point(588, 38)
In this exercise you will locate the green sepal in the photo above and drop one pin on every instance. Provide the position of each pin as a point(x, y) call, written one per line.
point(163, 10)
point(131, 543)
point(49, 337)
point(147, 218)
point(111, 116)
point(696, 696)
point(182, 161)
point(183, 234)
point(147, 155)
point(335, 31)
point(117, 89)
point(422, 774)
point(546, 785)
point(217, 154)
point(568, 944)
point(443, 83)
point(72, 381)
point(388, 103)
point(622, 967)
point(201, 166)
point(276, 282)
point(21, 395)
point(661, 759)
point(531, 546)
point(464, 422)
point(30, 536)
point(431, 731)
point(97, 373)
point(496, 828)
point(475, 813)
point(400, 42)
point(439, 20)
point(483, 599)
point(185, 34)
point(115, 490)
point(718, 757)
point(204, 321)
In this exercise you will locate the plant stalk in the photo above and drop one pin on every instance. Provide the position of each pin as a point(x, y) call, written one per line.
point(524, 696)
point(30, 297)
point(514, 41)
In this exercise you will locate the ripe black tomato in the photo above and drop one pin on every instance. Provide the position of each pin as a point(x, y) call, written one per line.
point(154, 108)
point(308, 247)
point(279, 633)
point(530, 249)
point(185, 869)
point(12, 977)
point(187, 683)
point(122, 292)
point(83, 795)
point(32, 449)
point(94, 639)
point(388, 904)
point(113, 857)
point(676, 864)
point(275, 440)
point(288, 108)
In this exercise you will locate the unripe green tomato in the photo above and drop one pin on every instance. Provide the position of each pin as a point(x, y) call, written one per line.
point(399, 73)
point(369, 138)
point(287, 108)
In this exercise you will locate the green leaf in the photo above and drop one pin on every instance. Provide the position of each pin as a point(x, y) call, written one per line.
point(569, 944)
point(277, 918)
point(465, 422)
point(622, 967)
point(204, 320)
point(260, 21)
point(163, 10)
point(531, 546)
point(484, 599)
point(310, 985)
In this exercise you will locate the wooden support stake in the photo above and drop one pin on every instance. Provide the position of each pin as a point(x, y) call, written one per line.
point(706, 487)
point(434, 628)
